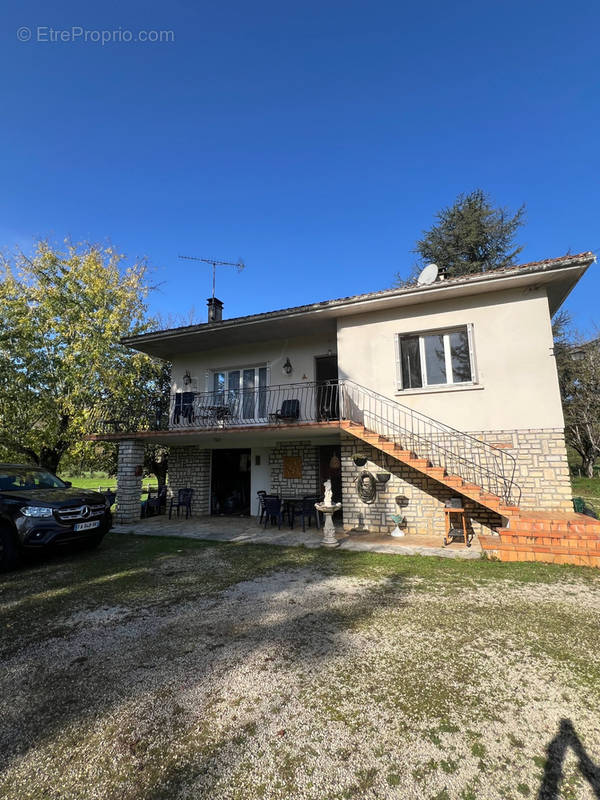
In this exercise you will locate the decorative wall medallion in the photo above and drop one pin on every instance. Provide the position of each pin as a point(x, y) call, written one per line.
point(292, 467)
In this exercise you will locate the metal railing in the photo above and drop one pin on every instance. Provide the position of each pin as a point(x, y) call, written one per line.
point(286, 403)
point(458, 453)
point(269, 405)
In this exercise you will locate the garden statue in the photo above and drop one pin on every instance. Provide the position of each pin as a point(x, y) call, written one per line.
point(328, 509)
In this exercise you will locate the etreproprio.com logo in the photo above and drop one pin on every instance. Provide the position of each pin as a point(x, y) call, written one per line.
point(78, 34)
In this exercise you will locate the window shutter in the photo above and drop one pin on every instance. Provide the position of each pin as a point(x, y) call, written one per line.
point(398, 362)
point(474, 375)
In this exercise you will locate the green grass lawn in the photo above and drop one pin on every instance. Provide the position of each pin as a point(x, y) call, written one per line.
point(161, 668)
point(588, 488)
point(100, 479)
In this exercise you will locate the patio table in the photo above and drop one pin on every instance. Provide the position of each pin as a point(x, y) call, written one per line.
point(288, 504)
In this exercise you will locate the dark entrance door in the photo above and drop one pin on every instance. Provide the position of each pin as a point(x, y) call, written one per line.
point(230, 482)
point(326, 376)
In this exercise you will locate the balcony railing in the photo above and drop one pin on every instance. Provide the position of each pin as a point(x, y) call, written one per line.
point(284, 404)
point(287, 403)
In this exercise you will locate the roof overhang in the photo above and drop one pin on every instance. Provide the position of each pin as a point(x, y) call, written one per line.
point(556, 276)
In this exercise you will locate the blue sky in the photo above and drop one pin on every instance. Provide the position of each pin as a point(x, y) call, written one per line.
point(315, 140)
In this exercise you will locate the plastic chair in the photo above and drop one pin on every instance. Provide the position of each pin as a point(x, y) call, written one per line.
point(261, 504)
point(273, 511)
point(307, 510)
point(184, 500)
point(155, 505)
point(290, 410)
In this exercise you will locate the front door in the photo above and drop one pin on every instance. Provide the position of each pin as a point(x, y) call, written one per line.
point(326, 376)
point(230, 482)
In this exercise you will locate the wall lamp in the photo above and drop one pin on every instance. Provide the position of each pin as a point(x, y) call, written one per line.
point(287, 367)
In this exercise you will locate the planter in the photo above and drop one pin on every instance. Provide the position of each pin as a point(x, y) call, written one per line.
point(360, 461)
point(383, 477)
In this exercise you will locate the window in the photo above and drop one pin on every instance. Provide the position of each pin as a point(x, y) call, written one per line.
point(436, 358)
point(249, 385)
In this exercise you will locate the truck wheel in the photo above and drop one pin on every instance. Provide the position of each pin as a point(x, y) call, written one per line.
point(9, 555)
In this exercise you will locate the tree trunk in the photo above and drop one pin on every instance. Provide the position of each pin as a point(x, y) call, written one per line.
point(159, 469)
point(50, 459)
point(587, 465)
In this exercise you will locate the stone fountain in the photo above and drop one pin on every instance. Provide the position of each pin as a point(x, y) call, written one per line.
point(328, 509)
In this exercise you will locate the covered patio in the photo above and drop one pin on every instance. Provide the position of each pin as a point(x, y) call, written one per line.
point(246, 530)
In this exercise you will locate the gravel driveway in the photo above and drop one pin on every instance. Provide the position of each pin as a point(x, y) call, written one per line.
point(181, 669)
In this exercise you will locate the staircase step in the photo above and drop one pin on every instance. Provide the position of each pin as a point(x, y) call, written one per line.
point(419, 463)
point(436, 472)
point(404, 455)
point(546, 537)
point(588, 555)
point(423, 465)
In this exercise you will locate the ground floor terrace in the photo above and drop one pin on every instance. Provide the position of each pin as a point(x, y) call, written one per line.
point(248, 530)
point(379, 488)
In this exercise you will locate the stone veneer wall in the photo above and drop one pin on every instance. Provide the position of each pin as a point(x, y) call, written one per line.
point(542, 472)
point(309, 482)
point(542, 469)
point(189, 466)
point(426, 497)
point(129, 480)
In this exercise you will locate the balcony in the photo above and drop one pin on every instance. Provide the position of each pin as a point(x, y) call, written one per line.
point(286, 404)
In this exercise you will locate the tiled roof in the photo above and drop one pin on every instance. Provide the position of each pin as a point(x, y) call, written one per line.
point(533, 266)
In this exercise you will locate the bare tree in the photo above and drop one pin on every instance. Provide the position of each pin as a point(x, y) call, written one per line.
point(578, 366)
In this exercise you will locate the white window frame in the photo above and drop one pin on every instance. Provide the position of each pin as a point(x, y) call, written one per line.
point(226, 370)
point(445, 332)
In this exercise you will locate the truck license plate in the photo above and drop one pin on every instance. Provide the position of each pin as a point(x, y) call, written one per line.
point(85, 526)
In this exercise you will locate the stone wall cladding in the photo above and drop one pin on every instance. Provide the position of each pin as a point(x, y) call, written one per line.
point(426, 497)
point(542, 473)
point(542, 469)
point(129, 485)
point(189, 467)
point(309, 483)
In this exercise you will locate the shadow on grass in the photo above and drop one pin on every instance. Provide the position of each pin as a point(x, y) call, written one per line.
point(555, 755)
point(170, 638)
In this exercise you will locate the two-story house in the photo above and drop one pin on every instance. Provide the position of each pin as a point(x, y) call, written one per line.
point(437, 390)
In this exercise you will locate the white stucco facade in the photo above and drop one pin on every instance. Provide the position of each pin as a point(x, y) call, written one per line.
point(515, 381)
point(301, 351)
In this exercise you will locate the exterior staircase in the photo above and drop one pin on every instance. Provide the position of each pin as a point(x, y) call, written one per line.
point(474, 469)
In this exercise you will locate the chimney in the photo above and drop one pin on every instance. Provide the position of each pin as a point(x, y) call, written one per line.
point(215, 310)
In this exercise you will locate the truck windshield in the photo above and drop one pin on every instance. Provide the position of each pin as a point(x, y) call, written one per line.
point(21, 478)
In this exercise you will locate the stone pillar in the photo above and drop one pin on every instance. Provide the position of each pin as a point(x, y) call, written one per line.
point(129, 480)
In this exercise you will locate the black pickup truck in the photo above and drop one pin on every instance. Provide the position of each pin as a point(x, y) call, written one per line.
point(38, 510)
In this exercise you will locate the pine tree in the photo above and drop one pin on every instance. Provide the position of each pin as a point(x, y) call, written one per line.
point(471, 236)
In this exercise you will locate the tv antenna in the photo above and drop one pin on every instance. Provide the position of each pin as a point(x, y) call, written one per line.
point(215, 263)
